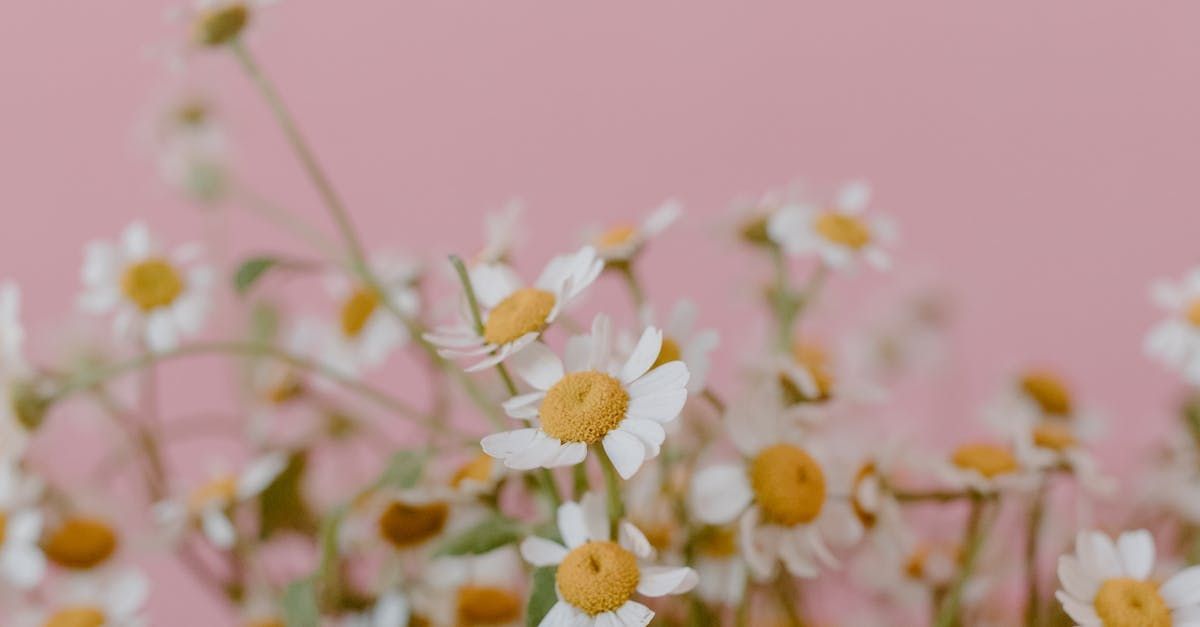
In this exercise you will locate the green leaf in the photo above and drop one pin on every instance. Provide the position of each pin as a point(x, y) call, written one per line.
point(300, 604)
point(251, 271)
point(542, 596)
point(403, 471)
point(490, 534)
point(282, 506)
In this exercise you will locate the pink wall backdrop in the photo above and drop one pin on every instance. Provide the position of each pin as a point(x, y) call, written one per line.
point(1039, 157)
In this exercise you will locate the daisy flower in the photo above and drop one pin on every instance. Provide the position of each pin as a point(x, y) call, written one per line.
point(390, 609)
point(838, 235)
point(218, 22)
point(683, 342)
point(503, 233)
point(1175, 342)
point(366, 330)
point(210, 505)
point(473, 590)
point(513, 315)
point(1111, 584)
point(81, 541)
point(723, 573)
point(623, 242)
point(113, 600)
point(1040, 396)
point(782, 493)
point(812, 387)
point(984, 467)
point(406, 521)
point(192, 150)
point(154, 296)
point(1053, 445)
point(587, 399)
point(597, 577)
point(22, 562)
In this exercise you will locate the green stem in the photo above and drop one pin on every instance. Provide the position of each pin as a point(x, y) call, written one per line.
point(581, 481)
point(1037, 512)
point(786, 593)
point(935, 496)
point(612, 484)
point(636, 293)
point(974, 536)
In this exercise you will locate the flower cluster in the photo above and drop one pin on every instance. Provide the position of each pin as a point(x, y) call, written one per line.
point(564, 463)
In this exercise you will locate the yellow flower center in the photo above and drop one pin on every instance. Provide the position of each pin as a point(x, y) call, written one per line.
point(754, 231)
point(989, 460)
point(668, 353)
point(152, 283)
point(405, 525)
point(80, 542)
point(788, 485)
point(265, 622)
point(1054, 436)
point(843, 229)
point(219, 491)
point(1125, 602)
point(1048, 391)
point(583, 407)
point(3, 526)
point(1192, 314)
point(222, 24)
point(79, 616)
point(865, 516)
point(914, 566)
point(524, 311)
point(289, 387)
point(618, 235)
point(478, 470)
point(815, 361)
point(357, 310)
point(598, 577)
point(718, 542)
point(486, 605)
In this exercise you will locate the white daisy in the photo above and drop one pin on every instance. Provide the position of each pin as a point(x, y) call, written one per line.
point(218, 22)
point(1053, 444)
point(722, 570)
point(590, 400)
point(366, 331)
point(113, 600)
point(683, 342)
point(984, 467)
point(839, 234)
point(22, 563)
point(813, 388)
point(1176, 341)
point(480, 590)
point(192, 150)
point(597, 577)
point(1107, 584)
point(513, 316)
point(1040, 396)
point(210, 505)
point(783, 494)
point(154, 296)
point(391, 609)
point(622, 242)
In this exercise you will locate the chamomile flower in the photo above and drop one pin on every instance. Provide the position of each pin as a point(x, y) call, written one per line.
point(683, 342)
point(22, 563)
point(481, 590)
point(984, 467)
point(210, 505)
point(1175, 341)
point(503, 233)
point(782, 493)
point(597, 576)
point(722, 570)
point(839, 235)
point(391, 609)
point(620, 243)
point(877, 509)
point(587, 399)
point(813, 387)
point(154, 296)
point(81, 541)
point(1053, 445)
point(114, 600)
point(1111, 584)
point(514, 315)
point(367, 330)
point(1039, 396)
point(192, 151)
point(407, 520)
point(219, 22)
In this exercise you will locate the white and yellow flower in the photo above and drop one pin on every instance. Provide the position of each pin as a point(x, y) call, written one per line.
point(367, 327)
point(115, 599)
point(218, 22)
point(512, 314)
point(483, 590)
point(1053, 444)
point(587, 399)
point(154, 296)
point(22, 563)
point(783, 494)
point(839, 234)
point(621, 242)
point(985, 467)
point(597, 577)
point(210, 505)
point(1112, 584)
point(14, 371)
point(1040, 396)
point(391, 609)
point(684, 342)
point(1175, 341)
point(722, 570)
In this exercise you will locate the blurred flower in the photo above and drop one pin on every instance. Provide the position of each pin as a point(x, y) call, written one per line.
point(368, 327)
point(22, 563)
point(218, 22)
point(192, 150)
point(389, 610)
point(115, 599)
point(473, 590)
point(210, 505)
point(622, 242)
point(838, 235)
point(590, 400)
point(984, 467)
point(683, 342)
point(1176, 341)
point(503, 233)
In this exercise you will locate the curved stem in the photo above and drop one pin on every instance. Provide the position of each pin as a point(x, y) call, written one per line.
point(1037, 511)
point(976, 532)
point(612, 484)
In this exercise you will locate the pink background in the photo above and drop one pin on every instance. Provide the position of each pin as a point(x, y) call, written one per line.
point(1039, 156)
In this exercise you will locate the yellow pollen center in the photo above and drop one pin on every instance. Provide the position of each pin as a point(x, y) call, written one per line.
point(79, 616)
point(1125, 602)
point(289, 387)
point(357, 310)
point(478, 470)
point(618, 235)
point(523, 311)
point(3, 526)
point(1048, 391)
point(914, 566)
point(718, 542)
point(486, 605)
point(583, 407)
point(81, 542)
point(152, 283)
point(1192, 313)
point(989, 460)
point(598, 577)
point(788, 484)
point(219, 491)
point(222, 24)
point(866, 516)
point(840, 228)
point(1054, 436)
point(815, 361)
point(405, 525)
point(668, 353)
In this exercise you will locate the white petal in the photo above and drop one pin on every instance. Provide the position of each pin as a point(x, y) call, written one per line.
point(643, 356)
point(634, 614)
point(720, 493)
point(160, 332)
point(854, 196)
point(1081, 612)
point(542, 552)
point(649, 432)
point(657, 581)
point(661, 407)
point(1077, 583)
point(135, 240)
point(508, 443)
point(540, 452)
point(1183, 588)
point(23, 566)
point(595, 516)
point(127, 594)
point(667, 377)
point(1136, 549)
point(571, 524)
point(260, 474)
point(538, 366)
point(523, 406)
point(218, 528)
point(635, 541)
point(569, 454)
point(562, 615)
point(626, 452)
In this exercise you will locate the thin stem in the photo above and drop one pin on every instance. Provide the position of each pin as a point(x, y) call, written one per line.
point(581, 483)
point(612, 485)
point(250, 199)
point(786, 593)
point(636, 293)
point(974, 536)
point(936, 496)
point(1037, 512)
point(714, 399)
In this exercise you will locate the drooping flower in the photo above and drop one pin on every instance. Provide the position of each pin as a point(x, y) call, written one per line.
point(210, 505)
point(622, 242)
point(1175, 341)
point(838, 234)
point(154, 296)
point(513, 315)
point(586, 399)
point(598, 575)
